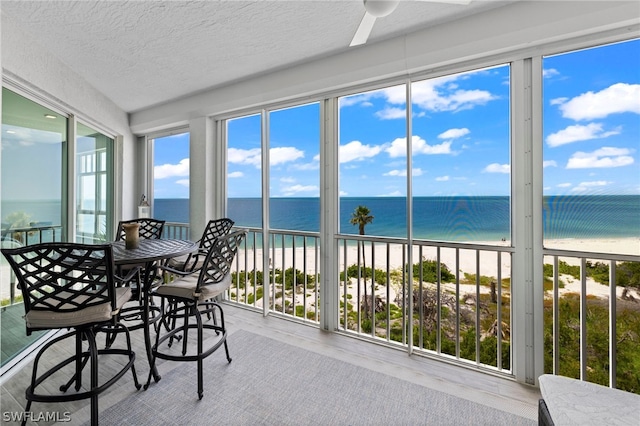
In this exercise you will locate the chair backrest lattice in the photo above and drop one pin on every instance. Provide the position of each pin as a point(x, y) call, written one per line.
point(150, 229)
point(217, 264)
point(63, 277)
point(215, 229)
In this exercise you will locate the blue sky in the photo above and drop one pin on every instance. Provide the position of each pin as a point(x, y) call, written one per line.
point(460, 142)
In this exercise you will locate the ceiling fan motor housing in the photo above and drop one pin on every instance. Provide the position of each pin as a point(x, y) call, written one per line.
point(380, 8)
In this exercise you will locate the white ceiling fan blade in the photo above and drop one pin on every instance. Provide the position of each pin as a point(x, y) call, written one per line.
point(362, 34)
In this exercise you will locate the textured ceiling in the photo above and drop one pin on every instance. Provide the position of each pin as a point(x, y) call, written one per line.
point(144, 53)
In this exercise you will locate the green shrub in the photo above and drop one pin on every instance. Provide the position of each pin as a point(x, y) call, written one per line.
point(427, 270)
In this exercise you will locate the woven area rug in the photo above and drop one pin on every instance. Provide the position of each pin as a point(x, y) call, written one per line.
point(272, 383)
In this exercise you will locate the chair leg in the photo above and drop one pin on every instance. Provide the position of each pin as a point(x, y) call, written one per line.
point(133, 366)
point(93, 353)
point(185, 333)
point(81, 362)
point(222, 327)
point(200, 345)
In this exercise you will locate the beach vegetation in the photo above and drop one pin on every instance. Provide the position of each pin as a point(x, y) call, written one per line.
point(292, 278)
point(394, 312)
point(6, 302)
point(563, 269)
point(597, 341)
point(251, 297)
point(427, 270)
point(355, 271)
point(627, 273)
point(395, 332)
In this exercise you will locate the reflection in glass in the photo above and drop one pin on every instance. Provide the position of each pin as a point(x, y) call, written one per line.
point(95, 185)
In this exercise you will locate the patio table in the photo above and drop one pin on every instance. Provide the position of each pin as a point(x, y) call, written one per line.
point(148, 252)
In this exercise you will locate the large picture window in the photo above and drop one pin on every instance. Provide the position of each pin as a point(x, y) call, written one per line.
point(591, 105)
point(171, 178)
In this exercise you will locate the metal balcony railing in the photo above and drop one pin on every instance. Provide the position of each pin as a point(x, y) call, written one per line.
point(592, 317)
point(454, 300)
point(15, 237)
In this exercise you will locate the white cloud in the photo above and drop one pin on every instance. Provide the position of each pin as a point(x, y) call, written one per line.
point(558, 101)
point(253, 156)
point(585, 186)
point(441, 95)
point(579, 132)
point(442, 178)
point(606, 157)
point(398, 147)
point(550, 72)
point(356, 151)
point(235, 175)
point(391, 113)
point(170, 170)
point(403, 172)
point(497, 168)
point(549, 163)
point(362, 99)
point(297, 189)
point(617, 98)
point(393, 194)
point(284, 154)
point(244, 156)
point(564, 185)
point(454, 133)
point(183, 182)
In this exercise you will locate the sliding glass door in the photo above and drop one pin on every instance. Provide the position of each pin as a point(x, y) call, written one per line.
point(33, 198)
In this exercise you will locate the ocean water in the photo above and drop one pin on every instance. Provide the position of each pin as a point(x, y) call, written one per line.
point(439, 218)
point(436, 218)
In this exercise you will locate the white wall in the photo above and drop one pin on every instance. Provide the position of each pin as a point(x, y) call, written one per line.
point(35, 70)
point(510, 32)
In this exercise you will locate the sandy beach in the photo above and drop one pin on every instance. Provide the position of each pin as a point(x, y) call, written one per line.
point(462, 261)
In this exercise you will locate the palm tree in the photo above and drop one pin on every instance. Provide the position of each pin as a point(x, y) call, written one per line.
point(361, 216)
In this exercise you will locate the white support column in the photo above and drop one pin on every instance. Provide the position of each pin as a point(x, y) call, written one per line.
point(201, 174)
point(266, 227)
point(409, 148)
point(118, 162)
point(144, 173)
point(526, 189)
point(71, 173)
point(537, 219)
point(329, 168)
point(219, 170)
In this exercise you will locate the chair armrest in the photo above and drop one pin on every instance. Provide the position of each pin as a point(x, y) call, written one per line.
point(169, 269)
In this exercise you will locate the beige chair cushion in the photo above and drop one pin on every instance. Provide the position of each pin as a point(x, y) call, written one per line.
point(179, 262)
point(184, 288)
point(90, 315)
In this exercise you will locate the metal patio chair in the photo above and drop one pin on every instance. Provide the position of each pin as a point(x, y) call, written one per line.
point(193, 295)
point(69, 286)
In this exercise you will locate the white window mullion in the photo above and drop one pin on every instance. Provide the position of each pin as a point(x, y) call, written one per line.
point(264, 115)
point(329, 218)
point(72, 178)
